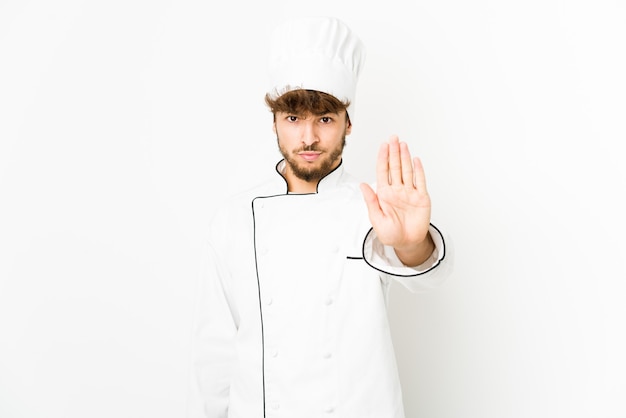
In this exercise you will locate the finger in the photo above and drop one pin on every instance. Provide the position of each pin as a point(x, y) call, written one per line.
point(419, 176)
point(395, 166)
point(382, 164)
point(407, 165)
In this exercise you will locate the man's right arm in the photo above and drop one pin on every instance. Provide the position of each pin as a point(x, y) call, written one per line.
point(213, 351)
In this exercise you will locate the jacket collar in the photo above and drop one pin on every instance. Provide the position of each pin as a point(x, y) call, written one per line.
point(330, 181)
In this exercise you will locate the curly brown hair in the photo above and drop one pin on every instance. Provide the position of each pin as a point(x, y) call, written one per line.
point(302, 102)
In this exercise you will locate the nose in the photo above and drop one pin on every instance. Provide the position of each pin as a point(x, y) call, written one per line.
point(309, 132)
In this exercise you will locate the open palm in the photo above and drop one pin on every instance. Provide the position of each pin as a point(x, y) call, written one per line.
point(399, 209)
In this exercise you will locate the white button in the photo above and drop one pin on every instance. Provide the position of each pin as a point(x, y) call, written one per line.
point(275, 406)
point(329, 410)
point(329, 301)
point(274, 353)
point(328, 355)
point(269, 301)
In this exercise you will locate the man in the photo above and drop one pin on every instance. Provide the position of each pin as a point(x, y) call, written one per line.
point(292, 315)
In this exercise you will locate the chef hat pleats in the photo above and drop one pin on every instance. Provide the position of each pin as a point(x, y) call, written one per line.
point(316, 53)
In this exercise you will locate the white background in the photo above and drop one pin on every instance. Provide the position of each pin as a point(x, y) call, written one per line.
point(123, 124)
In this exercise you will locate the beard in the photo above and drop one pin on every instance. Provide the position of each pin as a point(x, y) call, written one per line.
point(313, 172)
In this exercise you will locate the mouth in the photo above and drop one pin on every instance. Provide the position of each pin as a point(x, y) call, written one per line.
point(309, 155)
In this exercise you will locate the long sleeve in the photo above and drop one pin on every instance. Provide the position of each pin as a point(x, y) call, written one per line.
point(213, 354)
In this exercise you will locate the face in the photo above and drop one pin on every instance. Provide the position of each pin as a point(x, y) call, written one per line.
point(312, 145)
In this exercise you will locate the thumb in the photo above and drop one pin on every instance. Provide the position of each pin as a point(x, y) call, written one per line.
point(371, 199)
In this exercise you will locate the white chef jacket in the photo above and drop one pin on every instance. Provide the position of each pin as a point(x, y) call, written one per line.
point(291, 317)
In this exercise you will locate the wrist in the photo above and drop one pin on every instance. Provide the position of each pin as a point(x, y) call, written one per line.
point(414, 255)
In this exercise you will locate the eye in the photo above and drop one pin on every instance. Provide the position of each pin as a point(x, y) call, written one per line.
point(326, 119)
point(292, 118)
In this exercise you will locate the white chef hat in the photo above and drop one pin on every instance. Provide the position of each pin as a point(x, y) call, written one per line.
point(316, 53)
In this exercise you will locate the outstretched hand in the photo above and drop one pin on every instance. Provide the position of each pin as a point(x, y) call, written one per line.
point(399, 209)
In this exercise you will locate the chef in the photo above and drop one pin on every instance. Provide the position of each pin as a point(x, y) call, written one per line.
point(291, 317)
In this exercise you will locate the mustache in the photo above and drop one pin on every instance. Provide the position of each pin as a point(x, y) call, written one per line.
point(309, 148)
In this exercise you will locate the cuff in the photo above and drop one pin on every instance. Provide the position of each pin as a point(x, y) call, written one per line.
point(383, 257)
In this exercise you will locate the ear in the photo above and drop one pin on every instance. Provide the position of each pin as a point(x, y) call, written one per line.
point(349, 127)
point(274, 126)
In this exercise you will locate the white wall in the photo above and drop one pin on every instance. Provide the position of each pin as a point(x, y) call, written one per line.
point(123, 123)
